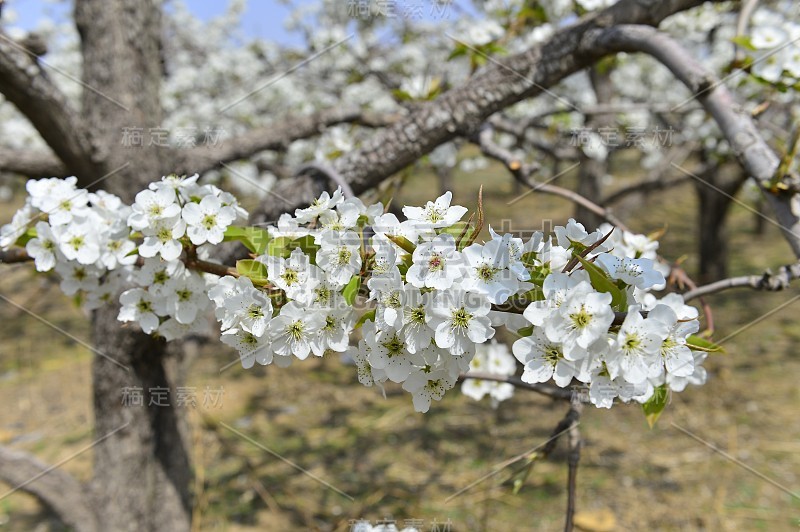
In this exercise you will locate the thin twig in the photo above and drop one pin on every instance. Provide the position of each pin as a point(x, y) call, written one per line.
point(544, 389)
point(768, 281)
point(572, 461)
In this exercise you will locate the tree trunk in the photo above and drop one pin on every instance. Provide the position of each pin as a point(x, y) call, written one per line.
point(142, 469)
point(715, 198)
point(592, 171)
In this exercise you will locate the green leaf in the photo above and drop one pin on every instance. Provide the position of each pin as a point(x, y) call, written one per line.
point(253, 238)
point(364, 317)
point(701, 344)
point(655, 405)
point(351, 289)
point(603, 283)
point(744, 41)
point(404, 243)
point(27, 236)
point(525, 331)
point(253, 269)
point(283, 247)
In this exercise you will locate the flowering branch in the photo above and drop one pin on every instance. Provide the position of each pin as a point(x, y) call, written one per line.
point(549, 391)
point(276, 137)
point(462, 109)
point(768, 281)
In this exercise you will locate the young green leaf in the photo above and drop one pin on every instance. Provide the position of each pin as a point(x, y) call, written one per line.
point(253, 238)
point(701, 344)
point(655, 405)
point(253, 269)
point(351, 289)
point(603, 283)
point(364, 317)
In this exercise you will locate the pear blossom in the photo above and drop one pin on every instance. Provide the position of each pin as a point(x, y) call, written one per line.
point(492, 358)
point(295, 275)
point(185, 296)
point(44, 248)
point(436, 264)
point(77, 241)
point(428, 385)
point(206, 221)
point(488, 273)
point(140, 306)
point(460, 321)
point(251, 348)
point(153, 205)
point(581, 320)
point(339, 256)
point(294, 330)
point(161, 238)
point(437, 213)
point(637, 346)
point(575, 233)
point(678, 359)
point(543, 359)
point(636, 272)
point(388, 352)
point(324, 203)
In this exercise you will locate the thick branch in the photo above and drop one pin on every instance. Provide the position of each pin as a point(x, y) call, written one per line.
point(768, 281)
point(55, 488)
point(755, 156)
point(275, 137)
point(27, 86)
point(462, 110)
point(31, 164)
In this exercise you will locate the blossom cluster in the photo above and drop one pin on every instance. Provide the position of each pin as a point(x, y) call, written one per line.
point(773, 41)
point(421, 297)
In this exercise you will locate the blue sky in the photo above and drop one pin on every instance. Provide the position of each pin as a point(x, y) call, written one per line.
point(262, 18)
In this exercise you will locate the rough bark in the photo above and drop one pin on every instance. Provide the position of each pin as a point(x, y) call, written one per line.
point(27, 85)
point(31, 164)
point(141, 473)
point(57, 490)
point(461, 111)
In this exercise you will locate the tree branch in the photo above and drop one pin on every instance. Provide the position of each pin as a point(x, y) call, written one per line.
point(462, 110)
point(275, 137)
point(522, 173)
point(55, 488)
point(572, 461)
point(754, 154)
point(31, 164)
point(656, 180)
point(544, 389)
point(27, 86)
point(768, 281)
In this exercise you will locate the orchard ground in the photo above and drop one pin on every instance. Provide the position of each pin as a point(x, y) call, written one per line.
point(396, 463)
